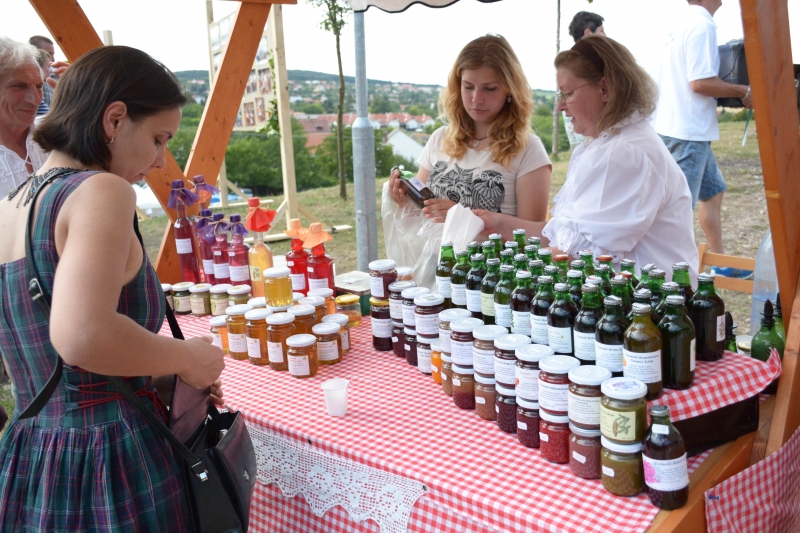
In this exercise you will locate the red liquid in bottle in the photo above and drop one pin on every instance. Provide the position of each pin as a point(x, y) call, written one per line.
point(186, 245)
point(237, 257)
point(297, 261)
point(206, 254)
point(221, 266)
point(321, 269)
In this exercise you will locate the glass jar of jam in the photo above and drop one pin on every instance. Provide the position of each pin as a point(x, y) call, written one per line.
point(277, 286)
point(505, 407)
point(623, 410)
point(526, 370)
point(327, 295)
point(436, 361)
point(280, 326)
point(410, 346)
point(304, 318)
point(554, 437)
point(445, 318)
point(219, 332)
point(583, 403)
point(505, 358)
point(350, 305)
point(483, 348)
point(302, 355)
point(408, 304)
point(167, 288)
point(426, 314)
point(344, 331)
point(447, 374)
point(396, 299)
point(258, 303)
point(239, 294)
point(329, 343)
point(381, 324)
point(319, 307)
point(382, 273)
point(398, 339)
point(200, 299)
point(237, 328)
point(622, 468)
point(404, 273)
point(554, 383)
point(527, 422)
point(424, 353)
point(461, 340)
point(181, 298)
point(584, 452)
point(256, 335)
point(464, 387)
point(485, 397)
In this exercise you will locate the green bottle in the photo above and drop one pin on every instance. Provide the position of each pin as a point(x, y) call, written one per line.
point(521, 262)
point(641, 352)
point(473, 285)
point(604, 272)
point(644, 280)
point(629, 265)
point(507, 257)
point(530, 251)
point(668, 288)
point(595, 280)
point(519, 238)
point(619, 288)
point(561, 321)
point(512, 245)
point(587, 256)
point(541, 304)
point(546, 256)
point(490, 281)
point(487, 249)
point(575, 282)
point(535, 241)
point(473, 248)
point(666, 471)
point(730, 336)
point(579, 265)
point(536, 268)
point(586, 324)
point(707, 311)
point(553, 272)
point(497, 240)
point(680, 275)
point(502, 296)
point(643, 297)
point(631, 285)
point(521, 300)
point(458, 280)
point(447, 260)
point(609, 336)
point(657, 278)
point(779, 327)
point(562, 262)
point(765, 340)
point(678, 345)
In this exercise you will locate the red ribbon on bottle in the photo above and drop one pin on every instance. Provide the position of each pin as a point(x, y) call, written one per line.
point(258, 219)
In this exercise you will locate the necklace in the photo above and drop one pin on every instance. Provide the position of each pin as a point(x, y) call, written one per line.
point(34, 182)
point(478, 141)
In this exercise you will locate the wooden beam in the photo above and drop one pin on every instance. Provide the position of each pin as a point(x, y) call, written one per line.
point(69, 26)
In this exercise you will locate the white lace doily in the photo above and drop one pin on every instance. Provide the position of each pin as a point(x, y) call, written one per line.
point(327, 481)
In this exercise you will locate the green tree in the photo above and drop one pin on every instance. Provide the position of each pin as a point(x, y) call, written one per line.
point(385, 158)
point(433, 127)
point(382, 105)
point(181, 144)
point(314, 109)
point(542, 124)
point(417, 110)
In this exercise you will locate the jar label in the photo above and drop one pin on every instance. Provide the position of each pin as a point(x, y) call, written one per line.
point(239, 273)
point(345, 336)
point(539, 329)
point(666, 475)
point(290, 263)
point(527, 383)
point(184, 246)
point(396, 309)
point(427, 324)
point(298, 365)
point(521, 322)
point(198, 306)
point(609, 356)
point(456, 382)
point(720, 328)
point(483, 360)
point(424, 359)
point(522, 425)
point(553, 397)
point(376, 287)
point(434, 368)
point(584, 409)
point(406, 346)
point(458, 293)
point(502, 315)
point(222, 271)
point(505, 371)
point(408, 316)
point(560, 339)
point(474, 303)
point(578, 457)
point(443, 286)
point(298, 282)
point(692, 354)
point(607, 471)
point(544, 437)
point(584, 345)
point(461, 352)
point(208, 266)
point(318, 283)
point(487, 304)
point(496, 409)
point(253, 348)
point(182, 304)
point(237, 342)
point(218, 306)
point(618, 425)
point(275, 351)
point(480, 399)
point(444, 340)
point(444, 376)
point(216, 340)
point(382, 328)
point(255, 274)
point(661, 429)
point(328, 350)
point(645, 367)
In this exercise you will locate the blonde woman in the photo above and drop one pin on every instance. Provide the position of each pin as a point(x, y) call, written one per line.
point(486, 157)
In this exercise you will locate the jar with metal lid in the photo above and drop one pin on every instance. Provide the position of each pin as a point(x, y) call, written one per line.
point(329, 343)
point(505, 406)
point(483, 348)
point(237, 329)
point(396, 299)
point(167, 288)
point(381, 324)
point(327, 295)
point(461, 340)
point(398, 339)
point(426, 314)
point(200, 299)
point(623, 410)
point(622, 468)
point(505, 358)
point(410, 346)
point(302, 355)
point(436, 361)
point(554, 383)
point(446, 317)
point(447, 374)
point(526, 369)
point(344, 331)
point(256, 335)
point(554, 436)
point(219, 332)
point(181, 298)
point(280, 326)
point(584, 396)
point(239, 294)
point(485, 397)
point(350, 305)
point(304, 318)
point(382, 273)
point(463, 387)
point(408, 304)
point(527, 422)
point(258, 302)
point(277, 286)
point(584, 452)
point(319, 306)
point(219, 299)
point(424, 353)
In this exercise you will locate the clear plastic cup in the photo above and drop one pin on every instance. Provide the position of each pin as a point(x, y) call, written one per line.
point(336, 396)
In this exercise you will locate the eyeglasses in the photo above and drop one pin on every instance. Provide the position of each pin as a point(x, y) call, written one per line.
point(562, 96)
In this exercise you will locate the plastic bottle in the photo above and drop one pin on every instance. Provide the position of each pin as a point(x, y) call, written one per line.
point(765, 281)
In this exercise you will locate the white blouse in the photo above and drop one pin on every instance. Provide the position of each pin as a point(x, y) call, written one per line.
point(625, 196)
point(13, 170)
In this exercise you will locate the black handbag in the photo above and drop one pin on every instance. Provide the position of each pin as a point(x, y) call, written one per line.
point(214, 450)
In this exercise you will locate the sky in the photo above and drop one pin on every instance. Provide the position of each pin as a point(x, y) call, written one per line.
point(417, 46)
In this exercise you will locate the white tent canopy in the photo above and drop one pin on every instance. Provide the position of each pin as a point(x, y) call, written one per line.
point(396, 6)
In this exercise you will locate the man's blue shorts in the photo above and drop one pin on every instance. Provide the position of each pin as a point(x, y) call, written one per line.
point(699, 166)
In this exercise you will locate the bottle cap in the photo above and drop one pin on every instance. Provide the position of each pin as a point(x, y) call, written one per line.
point(520, 257)
point(594, 280)
point(494, 236)
point(629, 263)
point(377, 302)
point(544, 251)
point(670, 286)
point(675, 300)
point(545, 279)
point(302, 340)
point(612, 301)
point(561, 257)
point(489, 332)
point(659, 410)
point(382, 264)
point(447, 243)
point(278, 319)
point(523, 274)
point(506, 268)
point(643, 294)
point(182, 286)
point(657, 273)
point(648, 267)
point(477, 257)
point(705, 278)
point(574, 274)
point(589, 375)
point(680, 266)
point(619, 280)
point(558, 364)
point(641, 309)
point(590, 289)
point(345, 299)
point(493, 261)
point(561, 287)
point(462, 253)
point(166, 287)
point(325, 328)
point(535, 263)
point(518, 232)
point(511, 245)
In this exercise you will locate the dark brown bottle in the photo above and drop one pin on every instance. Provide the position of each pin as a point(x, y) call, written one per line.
point(664, 458)
point(415, 190)
point(707, 312)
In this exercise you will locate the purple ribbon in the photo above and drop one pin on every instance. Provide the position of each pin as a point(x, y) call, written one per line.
point(186, 196)
point(236, 227)
point(215, 226)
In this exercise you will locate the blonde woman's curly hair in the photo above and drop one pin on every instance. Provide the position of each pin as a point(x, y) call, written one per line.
point(509, 133)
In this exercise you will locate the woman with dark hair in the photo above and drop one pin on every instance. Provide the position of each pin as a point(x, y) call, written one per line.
point(89, 461)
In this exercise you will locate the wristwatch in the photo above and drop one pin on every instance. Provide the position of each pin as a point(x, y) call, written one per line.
point(747, 93)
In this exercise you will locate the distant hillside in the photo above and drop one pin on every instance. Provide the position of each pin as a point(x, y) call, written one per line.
point(192, 75)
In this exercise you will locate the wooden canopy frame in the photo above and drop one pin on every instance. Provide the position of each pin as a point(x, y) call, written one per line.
point(769, 58)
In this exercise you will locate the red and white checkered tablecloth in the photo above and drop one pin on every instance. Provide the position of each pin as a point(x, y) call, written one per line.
point(399, 420)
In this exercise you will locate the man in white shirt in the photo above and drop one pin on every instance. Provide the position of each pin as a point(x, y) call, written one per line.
point(686, 116)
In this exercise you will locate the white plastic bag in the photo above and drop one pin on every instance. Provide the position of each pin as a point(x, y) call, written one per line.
point(461, 227)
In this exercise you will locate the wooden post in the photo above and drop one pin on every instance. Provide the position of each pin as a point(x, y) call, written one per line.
point(68, 25)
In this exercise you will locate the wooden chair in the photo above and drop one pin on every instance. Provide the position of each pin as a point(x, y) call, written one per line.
point(720, 260)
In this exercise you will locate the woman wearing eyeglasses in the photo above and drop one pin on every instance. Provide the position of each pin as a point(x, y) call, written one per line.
point(624, 195)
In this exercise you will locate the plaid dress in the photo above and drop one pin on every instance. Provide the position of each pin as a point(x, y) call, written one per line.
point(89, 461)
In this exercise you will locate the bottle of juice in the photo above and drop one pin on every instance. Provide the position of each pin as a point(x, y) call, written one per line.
point(259, 221)
point(473, 247)
point(188, 253)
point(680, 275)
point(204, 243)
point(643, 297)
point(678, 345)
point(574, 280)
point(488, 284)
point(664, 459)
point(657, 279)
point(507, 257)
point(237, 252)
point(588, 257)
point(497, 241)
point(297, 259)
point(707, 311)
point(519, 238)
point(580, 266)
point(447, 261)
point(222, 272)
point(415, 190)
point(541, 304)
point(521, 300)
point(641, 352)
point(520, 262)
point(502, 296)
point(668, 288)
point(609, 336)
point(473, 285)
point(487, 249)
point(532, 252)
point(604, 272)
point(562, 262)
point(458, 280)
point(546, 256)
point(321, 268)
point(561, 321)
point(586, 324)
point(535, 241)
